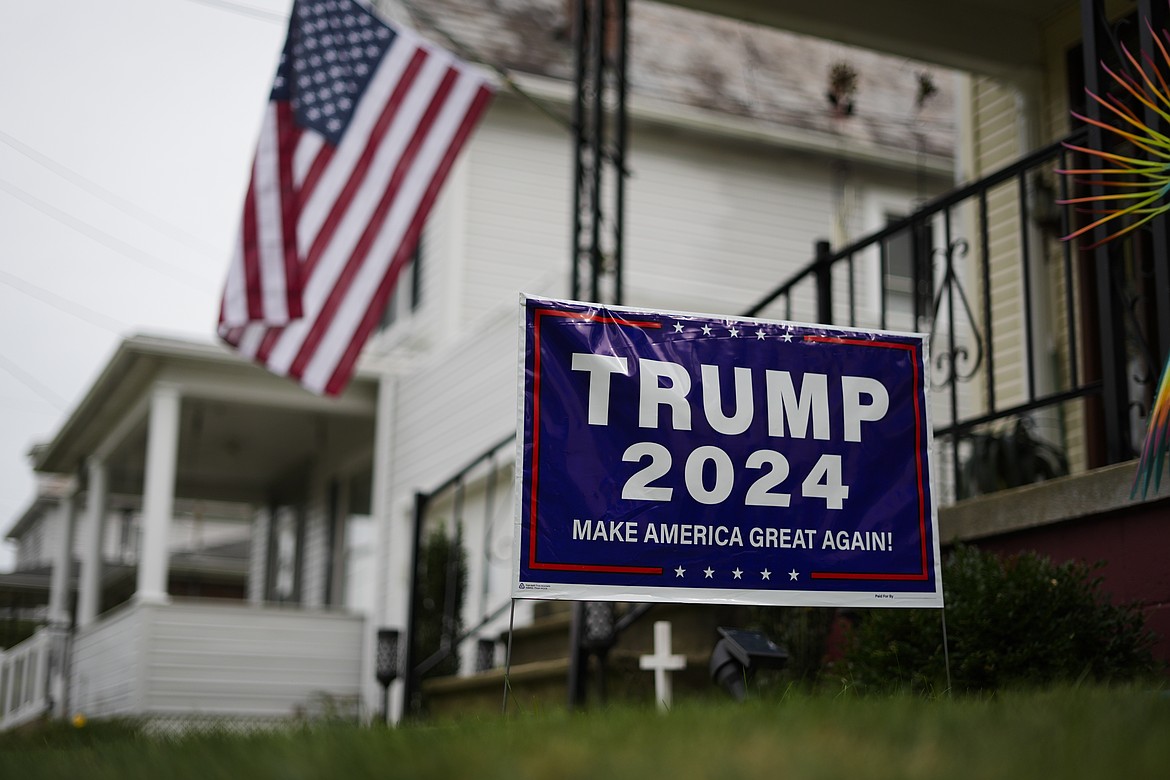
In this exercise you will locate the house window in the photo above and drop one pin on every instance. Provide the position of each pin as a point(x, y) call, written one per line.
point(909, 280)
point(407, 294)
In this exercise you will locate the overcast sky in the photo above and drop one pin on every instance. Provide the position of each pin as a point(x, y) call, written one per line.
point(126, 133)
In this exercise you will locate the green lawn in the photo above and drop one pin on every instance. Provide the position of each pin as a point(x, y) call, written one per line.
point(1086, 733)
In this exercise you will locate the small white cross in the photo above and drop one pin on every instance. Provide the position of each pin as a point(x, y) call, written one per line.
point(662, 662)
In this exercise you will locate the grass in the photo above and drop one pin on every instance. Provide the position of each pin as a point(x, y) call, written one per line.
point(1067, 733)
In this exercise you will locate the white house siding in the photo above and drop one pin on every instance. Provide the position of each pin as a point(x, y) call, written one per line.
point(517, 229)
point(224, 659)
point(712, 225)
point(456, 405)
point(107, 656)
point(997, 142)
point(215, 659)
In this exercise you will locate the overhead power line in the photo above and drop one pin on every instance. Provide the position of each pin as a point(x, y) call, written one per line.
point(240, 9)
point(122, 204)
point(129, 251)
point(62, 304)
point(34, 384)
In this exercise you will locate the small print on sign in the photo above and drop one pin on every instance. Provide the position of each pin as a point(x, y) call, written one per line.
point(686, 457)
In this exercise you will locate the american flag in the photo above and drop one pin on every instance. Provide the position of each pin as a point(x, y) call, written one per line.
point(362, 126)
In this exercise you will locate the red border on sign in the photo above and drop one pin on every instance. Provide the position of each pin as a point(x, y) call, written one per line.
point(533, 563)
point(924, 574)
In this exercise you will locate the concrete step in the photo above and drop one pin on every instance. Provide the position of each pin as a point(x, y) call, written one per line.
point(539, 672)
point(542, 686)
point(537, 686)
point(546, 639)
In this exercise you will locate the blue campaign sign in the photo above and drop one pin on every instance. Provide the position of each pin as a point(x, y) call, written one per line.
point(667, 456)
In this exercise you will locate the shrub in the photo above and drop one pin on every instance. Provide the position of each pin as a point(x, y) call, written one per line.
point(802, 631)
point(1015, 621)
point(442, 586)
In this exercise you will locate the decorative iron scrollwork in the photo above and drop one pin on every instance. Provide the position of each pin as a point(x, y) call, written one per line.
point(956, 362)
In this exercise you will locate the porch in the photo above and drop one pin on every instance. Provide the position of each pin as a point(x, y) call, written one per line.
point(190, 662)
point(197, 567)
point(204, 659)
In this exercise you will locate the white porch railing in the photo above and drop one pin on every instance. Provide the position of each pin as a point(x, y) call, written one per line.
point(24, 680)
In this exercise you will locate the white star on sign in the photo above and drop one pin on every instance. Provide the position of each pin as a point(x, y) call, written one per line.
point(766, 574)
point(678, 328)
point(737, 573)
point(706, 330)
point(680, 571)
point(735, 333)
point(760, 334)
point(792, 575)
point(787, 337)
point(709, 572)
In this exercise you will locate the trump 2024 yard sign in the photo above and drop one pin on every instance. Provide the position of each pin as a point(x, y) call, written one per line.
point(666, 456)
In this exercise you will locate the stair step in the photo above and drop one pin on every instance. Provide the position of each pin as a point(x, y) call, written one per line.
point(542, 686)
point(540, 665)
point(543, 609)
point(533, 686)
point(546, 639)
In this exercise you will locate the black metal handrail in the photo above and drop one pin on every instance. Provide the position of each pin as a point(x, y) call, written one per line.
point(413, 671)
point(963, 239)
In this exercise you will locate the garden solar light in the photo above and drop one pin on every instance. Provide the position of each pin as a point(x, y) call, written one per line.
point(737, 656)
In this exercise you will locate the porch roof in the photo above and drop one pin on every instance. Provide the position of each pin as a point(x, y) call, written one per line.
point(996, 37)
point(242, 429)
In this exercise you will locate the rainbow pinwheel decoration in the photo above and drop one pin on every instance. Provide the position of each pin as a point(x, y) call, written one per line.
point(1135, 188)
point(1130, 191)
point(1157, 439)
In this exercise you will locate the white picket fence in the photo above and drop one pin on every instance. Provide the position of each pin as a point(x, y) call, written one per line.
point(24, 680)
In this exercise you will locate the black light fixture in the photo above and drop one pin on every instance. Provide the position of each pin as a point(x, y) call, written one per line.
point(599, 632)
point(386, 663)
point(737, 656)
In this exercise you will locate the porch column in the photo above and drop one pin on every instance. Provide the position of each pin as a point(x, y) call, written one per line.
point(258, 565)
point(59, 615)
point(89, 595)
point(391, 538)
point(158, 494)
point(315, 540)
point(59, 583)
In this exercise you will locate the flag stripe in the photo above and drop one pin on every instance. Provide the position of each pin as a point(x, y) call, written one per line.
point(312, 154)
point(357, 259)
point(327, 267)
point(418, 164)
point(288, 134)
point(347, 362)
point(251, 265)
point(361, 169)
point(317, 204)
point(366, 171)
point(401, 231)
point(269, 219)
